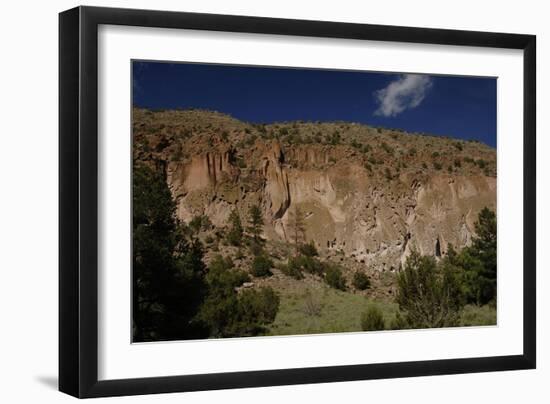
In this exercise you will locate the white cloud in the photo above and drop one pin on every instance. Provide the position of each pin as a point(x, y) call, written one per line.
point(408, 91)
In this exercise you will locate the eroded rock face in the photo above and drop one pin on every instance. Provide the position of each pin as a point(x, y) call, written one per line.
point(276, 190)
point(345, 210)
point(374, 206)
point(379, 225)
point(205, 170)
point(196, 181)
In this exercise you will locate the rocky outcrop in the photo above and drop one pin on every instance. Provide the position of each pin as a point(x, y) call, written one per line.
point(203, 171)
point(276, 190)
point(373, 202)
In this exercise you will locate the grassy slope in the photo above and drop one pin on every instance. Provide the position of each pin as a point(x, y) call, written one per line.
point(308, 307)
point(320, 309)
point(476, 315)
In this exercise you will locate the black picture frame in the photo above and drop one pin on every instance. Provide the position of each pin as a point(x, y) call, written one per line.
point(78, 201)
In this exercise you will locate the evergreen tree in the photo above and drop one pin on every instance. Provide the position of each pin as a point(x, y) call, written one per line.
point(229, 313)
point(429, 294)
point(235, 234)
point(297, 227)
point(168, 273)
point(484, 247)
point(479, 261)
point(256, 221)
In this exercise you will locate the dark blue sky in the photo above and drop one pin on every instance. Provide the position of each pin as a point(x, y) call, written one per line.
point(461, 107)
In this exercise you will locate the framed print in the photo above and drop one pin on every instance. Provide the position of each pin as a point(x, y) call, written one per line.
point(252, 202)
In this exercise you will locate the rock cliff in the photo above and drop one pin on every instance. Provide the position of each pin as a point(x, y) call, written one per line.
point(370, 194)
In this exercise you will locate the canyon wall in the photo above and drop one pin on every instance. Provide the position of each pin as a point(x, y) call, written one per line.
point(361, 201)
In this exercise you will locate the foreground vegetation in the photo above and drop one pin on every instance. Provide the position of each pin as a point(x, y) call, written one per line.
point(178, 294)
point(175, 296)
point(322, 309)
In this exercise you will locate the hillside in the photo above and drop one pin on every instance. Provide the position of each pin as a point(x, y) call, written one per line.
point(369, 194)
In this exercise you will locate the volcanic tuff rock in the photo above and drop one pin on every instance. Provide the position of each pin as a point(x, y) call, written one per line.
point(372, 194)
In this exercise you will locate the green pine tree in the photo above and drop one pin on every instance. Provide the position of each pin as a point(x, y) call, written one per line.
point(297, 227)
point(168, 272)
point(479, 261)
point(255, 221)
point(235, 233)
point(429, 293)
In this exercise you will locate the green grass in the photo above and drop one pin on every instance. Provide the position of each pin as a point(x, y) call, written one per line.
point(479, 315)
point(319, 310)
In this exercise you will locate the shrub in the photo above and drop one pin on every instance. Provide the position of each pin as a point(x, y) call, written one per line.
point(387, 148)
point(355, 144)
point(361, 281)
point(458, 145)
point(308, 249)
point(435, 154)
point(372, 319)
point(292, 269)
point(457, 163)
point(241, 163)
point(294, 138)
point(424, 166)
point(335, 138)
point(221, 273)
point(239, 255)
point(231, 314)
point(312, 265)
point(398, 323)
point(437, 166)
point(256, 248)
point(429, 294)
point(312, 305)
point(200, 222)
point(481, 163)
point(250, 139)
point(261, 266)
point(303, 263)
point(334, 277)
point(223, 310)
point(178, 152)
point(195, 224)
point(387, 173)
point(256, 308)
